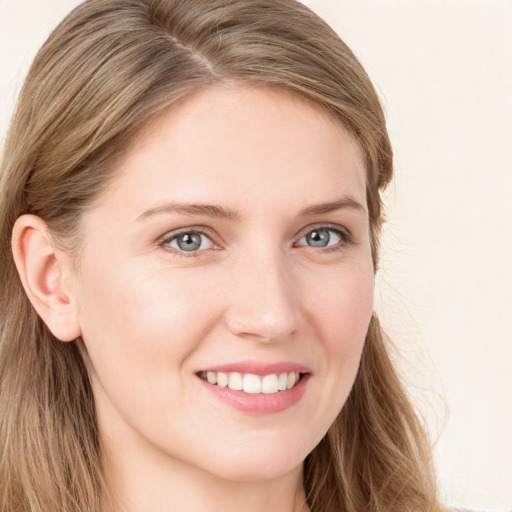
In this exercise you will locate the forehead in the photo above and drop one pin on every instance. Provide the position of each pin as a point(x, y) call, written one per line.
point(239, 139)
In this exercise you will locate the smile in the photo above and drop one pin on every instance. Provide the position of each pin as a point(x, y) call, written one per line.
point(251, 383)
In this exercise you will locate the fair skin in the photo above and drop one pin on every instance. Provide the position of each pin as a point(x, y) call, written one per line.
point(273, 276)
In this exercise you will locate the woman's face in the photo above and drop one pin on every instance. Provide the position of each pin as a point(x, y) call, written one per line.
point(232, 246)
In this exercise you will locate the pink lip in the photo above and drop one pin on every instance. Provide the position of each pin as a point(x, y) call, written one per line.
point(258, 368)
point(258, 403)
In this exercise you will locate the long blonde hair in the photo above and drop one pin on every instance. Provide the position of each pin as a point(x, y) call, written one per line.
point(106, 70)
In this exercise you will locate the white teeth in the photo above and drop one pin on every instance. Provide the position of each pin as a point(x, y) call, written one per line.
point(269, 384)
point(250, 383)
point(236, 382)
point(291, 380)
point(222, 379)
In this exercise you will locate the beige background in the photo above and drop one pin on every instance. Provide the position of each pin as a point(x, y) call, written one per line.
point(444, 71)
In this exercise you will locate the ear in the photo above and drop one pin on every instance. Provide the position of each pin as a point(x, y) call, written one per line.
point(44, 271)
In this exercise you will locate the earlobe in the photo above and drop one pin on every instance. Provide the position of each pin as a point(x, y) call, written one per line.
point(41, 268)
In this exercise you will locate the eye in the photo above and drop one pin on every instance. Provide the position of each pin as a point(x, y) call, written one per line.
point(323, 237)
point(188, 241)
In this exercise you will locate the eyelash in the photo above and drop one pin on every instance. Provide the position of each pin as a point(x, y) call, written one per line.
point(346, 239)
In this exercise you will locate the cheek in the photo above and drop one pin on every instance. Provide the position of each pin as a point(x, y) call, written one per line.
point(131, 315)
point(350, 326)
point(341, 314)
point(341, 305)
point(139, 334)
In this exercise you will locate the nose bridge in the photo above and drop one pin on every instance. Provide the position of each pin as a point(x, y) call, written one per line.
point(264, 304)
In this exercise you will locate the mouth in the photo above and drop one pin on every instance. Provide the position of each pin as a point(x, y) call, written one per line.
point(257, 387)
point(251, 383)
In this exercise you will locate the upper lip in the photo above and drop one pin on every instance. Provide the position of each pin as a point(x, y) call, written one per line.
point(258, 368)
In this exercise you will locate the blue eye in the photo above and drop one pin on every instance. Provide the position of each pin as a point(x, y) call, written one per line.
point(322, 237)
point(188, 241)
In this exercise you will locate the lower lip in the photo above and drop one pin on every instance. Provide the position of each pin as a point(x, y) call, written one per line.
point(259, 403)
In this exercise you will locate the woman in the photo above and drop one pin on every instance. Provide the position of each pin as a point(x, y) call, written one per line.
point(191, 193)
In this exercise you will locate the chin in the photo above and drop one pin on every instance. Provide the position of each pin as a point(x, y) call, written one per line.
point(254, 462)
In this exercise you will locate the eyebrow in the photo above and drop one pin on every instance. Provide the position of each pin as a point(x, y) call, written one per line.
point(340, 204)
point(220, 212)
point(207, 210)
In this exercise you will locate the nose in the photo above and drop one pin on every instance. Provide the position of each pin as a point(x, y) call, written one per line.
point(264, 304)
